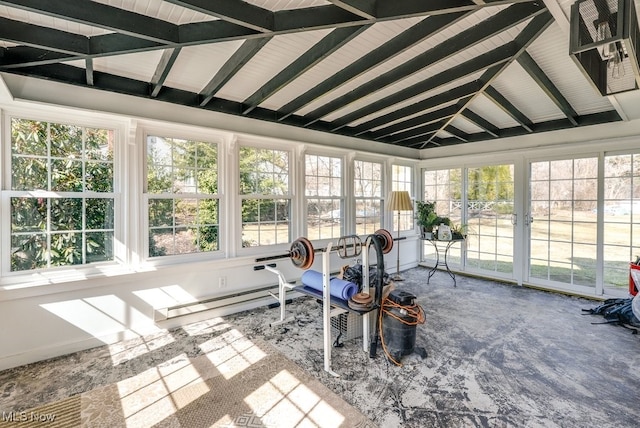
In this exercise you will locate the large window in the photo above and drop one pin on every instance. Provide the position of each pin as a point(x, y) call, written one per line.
point(324, 196)
point(182, 187)
point(265, 196)
point(402, 179)
point(368, 196)
point(61, 195)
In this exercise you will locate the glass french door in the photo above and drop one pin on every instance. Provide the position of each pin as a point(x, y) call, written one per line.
point(621, 220)
point(489, 216)
point(562, 223)
point(443, 187)
point(481, 201)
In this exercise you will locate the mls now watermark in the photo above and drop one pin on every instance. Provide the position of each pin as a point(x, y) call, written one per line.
point(27, 417)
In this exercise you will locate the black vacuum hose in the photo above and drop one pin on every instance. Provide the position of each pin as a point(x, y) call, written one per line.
point(379, 285)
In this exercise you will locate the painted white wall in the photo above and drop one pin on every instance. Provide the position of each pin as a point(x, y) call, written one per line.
point(94, 312)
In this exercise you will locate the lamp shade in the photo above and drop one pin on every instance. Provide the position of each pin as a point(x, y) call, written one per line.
point(399, 200)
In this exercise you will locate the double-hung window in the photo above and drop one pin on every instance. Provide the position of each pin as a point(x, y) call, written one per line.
point(61, 195)
point(182, 196)
point(324, 196)
point(402, 179)
point(367, 190)
point(265, 196)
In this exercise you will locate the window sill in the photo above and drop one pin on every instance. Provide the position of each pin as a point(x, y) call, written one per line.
point(23, 285)
point(26, 285)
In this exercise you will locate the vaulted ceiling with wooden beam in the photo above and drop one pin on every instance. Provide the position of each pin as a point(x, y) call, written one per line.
point(410, 73)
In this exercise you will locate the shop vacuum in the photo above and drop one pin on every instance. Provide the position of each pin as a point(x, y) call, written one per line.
point(400, 316)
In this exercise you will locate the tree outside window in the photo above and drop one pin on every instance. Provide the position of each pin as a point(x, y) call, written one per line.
point(368, 196)
point(265, 196)
point(621, 217)
point(182, 188)
point(324, 198)
point(61, 197)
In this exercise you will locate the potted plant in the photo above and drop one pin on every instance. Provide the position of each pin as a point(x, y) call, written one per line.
point(426, 218)
point(458, 231)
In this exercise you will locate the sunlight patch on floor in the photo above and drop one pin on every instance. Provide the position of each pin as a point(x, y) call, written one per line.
point(231, 353)
point(285, 398)
point(150, 397)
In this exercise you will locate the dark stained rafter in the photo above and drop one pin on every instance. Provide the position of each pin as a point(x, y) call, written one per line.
point(57, 41)
point(457, 133)
point(325, 47)
point(534, 28)
point(169, 57)
point(101, 16)
point(364, 8)
point(43, 52)
point(547, 86)
point(408, 38)
point(27, 56)
point(482, 123)
point(506, 105)
point(491, 26)
point(239, 58)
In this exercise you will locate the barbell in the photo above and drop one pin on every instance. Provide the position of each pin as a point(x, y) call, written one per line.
point(302, 253)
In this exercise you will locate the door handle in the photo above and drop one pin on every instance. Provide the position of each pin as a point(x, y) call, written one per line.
point(528, 219)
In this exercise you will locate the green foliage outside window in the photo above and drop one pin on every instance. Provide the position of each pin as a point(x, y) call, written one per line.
point(182, 177)
point(489, 183)
point(50, 229)
point(264, 183)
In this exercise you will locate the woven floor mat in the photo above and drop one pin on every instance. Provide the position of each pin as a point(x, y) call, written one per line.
point(239, 383)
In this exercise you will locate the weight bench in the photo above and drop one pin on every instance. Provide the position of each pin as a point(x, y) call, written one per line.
point(333, 306)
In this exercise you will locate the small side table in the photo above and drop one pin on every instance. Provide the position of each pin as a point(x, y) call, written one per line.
point(439, 245)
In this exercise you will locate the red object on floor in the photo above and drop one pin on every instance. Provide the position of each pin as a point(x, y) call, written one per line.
point(633, 288)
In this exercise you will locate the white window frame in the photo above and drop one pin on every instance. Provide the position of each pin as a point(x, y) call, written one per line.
point(340, 197)
point(429, 252)
point(406, 217)
point(60, 274)
point(628, 217)
point(534, 219)
point(381, 199)
point(182, 133)
point(260, 144)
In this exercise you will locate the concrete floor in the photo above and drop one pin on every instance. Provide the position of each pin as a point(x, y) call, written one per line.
point(497, 356)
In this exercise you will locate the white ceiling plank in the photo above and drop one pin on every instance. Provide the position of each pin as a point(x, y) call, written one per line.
point(278, 53)
point(196, 65)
